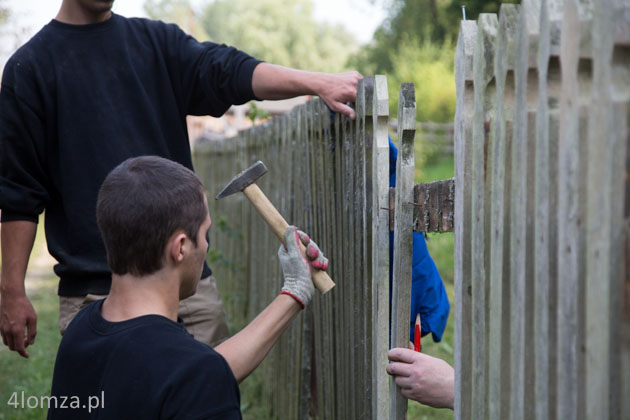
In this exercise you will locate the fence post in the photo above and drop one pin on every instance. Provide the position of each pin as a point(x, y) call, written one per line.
point(570, 216)
point(498, 191)
point(482, 75)
point(380, 253)
point(403, 231)
point(463, 179)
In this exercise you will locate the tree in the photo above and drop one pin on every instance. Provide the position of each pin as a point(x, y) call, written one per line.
point(4, 12)
point(179, 12)
point(415, 43)
point(281, 32)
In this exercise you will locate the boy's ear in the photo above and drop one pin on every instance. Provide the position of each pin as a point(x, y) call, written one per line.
point(177, 247)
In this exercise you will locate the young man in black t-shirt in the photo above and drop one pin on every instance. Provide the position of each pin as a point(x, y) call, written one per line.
point(127, 356)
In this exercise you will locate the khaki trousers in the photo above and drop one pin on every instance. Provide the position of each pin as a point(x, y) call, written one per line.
point(203, 313)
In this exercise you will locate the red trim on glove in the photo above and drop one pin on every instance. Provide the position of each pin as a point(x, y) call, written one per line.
point(294, 297)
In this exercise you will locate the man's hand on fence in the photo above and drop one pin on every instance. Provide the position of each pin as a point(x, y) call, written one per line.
point(337, 90)
point(296, 268)
point(422, 378)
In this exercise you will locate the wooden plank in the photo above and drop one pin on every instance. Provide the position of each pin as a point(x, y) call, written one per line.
point(380, 254)
point(420, 211)
point(483, 73)
point(569, 218)
point(620, 189)
point(521, 229)
point(463, 163)
point(606, 189)
point(367, 239)
point(448, 206)
point(434, 206)
point(531, 11)
point(504, 61)
point(544, 225)
point(401, 290)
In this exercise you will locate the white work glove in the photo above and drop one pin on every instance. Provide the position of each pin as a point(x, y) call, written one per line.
point(296, 268)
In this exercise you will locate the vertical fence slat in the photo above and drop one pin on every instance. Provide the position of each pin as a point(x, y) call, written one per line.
point(483, 70)
point(569, 216)
point(463, 179)
point(380, 254)
point(403, 231)
point(620, 366)
point(498, 353)
point(545, 226)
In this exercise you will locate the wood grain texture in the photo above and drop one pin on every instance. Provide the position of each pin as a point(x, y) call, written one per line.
point(380, 254)
point(403, 231)
point(483, 74)
point(463, 179)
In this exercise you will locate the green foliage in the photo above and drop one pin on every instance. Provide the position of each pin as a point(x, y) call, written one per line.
point(282, 32)
point(176, 11)
point(4, 12)
point(415, 43)
point(256, 114)
point(430, 68)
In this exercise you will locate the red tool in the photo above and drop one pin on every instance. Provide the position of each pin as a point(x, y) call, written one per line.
point(417, 345)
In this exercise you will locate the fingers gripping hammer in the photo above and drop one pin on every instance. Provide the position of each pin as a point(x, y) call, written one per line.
point(245, 182)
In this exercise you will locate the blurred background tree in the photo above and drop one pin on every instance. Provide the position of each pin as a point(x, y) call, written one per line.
point(176, 11)
point(4, 12)
point(416, 43)
point(282, 32)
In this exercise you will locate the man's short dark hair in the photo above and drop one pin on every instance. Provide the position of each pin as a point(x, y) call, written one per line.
point(141, 203)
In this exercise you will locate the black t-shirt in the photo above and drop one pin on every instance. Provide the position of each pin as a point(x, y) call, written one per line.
point(144, 368)
point(77, 100)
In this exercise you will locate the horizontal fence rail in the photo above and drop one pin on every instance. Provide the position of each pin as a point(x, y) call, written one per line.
point(542, 175)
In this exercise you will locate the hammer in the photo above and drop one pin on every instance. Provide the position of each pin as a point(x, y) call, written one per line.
point(245, 182)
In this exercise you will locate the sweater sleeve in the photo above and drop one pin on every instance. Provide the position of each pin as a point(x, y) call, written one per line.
point(213, 76)
point(23, 194)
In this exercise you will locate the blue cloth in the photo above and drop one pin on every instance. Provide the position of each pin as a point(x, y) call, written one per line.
point(428, 296)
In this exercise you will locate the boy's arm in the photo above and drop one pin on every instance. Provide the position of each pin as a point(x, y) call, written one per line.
point(247, 349)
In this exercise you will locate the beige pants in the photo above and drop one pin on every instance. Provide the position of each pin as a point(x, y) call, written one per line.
point(202, 313)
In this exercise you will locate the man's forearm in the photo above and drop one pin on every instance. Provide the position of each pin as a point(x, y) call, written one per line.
point(16, 240)
point(276, 82)
point(247, 349)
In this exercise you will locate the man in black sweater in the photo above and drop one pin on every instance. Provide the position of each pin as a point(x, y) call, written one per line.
point(127, 357)
point(88, 91)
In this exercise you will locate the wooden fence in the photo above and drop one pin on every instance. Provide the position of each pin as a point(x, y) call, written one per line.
point(542, 218)
point(330, 176)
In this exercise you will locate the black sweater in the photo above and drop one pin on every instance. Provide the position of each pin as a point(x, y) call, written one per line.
point(77, 100)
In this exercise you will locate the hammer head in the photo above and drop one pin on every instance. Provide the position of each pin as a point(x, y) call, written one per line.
point(244, 179)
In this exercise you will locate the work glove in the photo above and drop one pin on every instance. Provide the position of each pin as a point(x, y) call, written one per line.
point(296, 268)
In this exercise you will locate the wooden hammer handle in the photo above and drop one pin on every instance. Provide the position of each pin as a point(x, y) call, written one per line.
point(274, 219)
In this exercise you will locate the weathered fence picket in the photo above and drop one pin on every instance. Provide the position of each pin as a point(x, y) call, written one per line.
point(403, 236)
point(463, 179)
point(542, 228)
